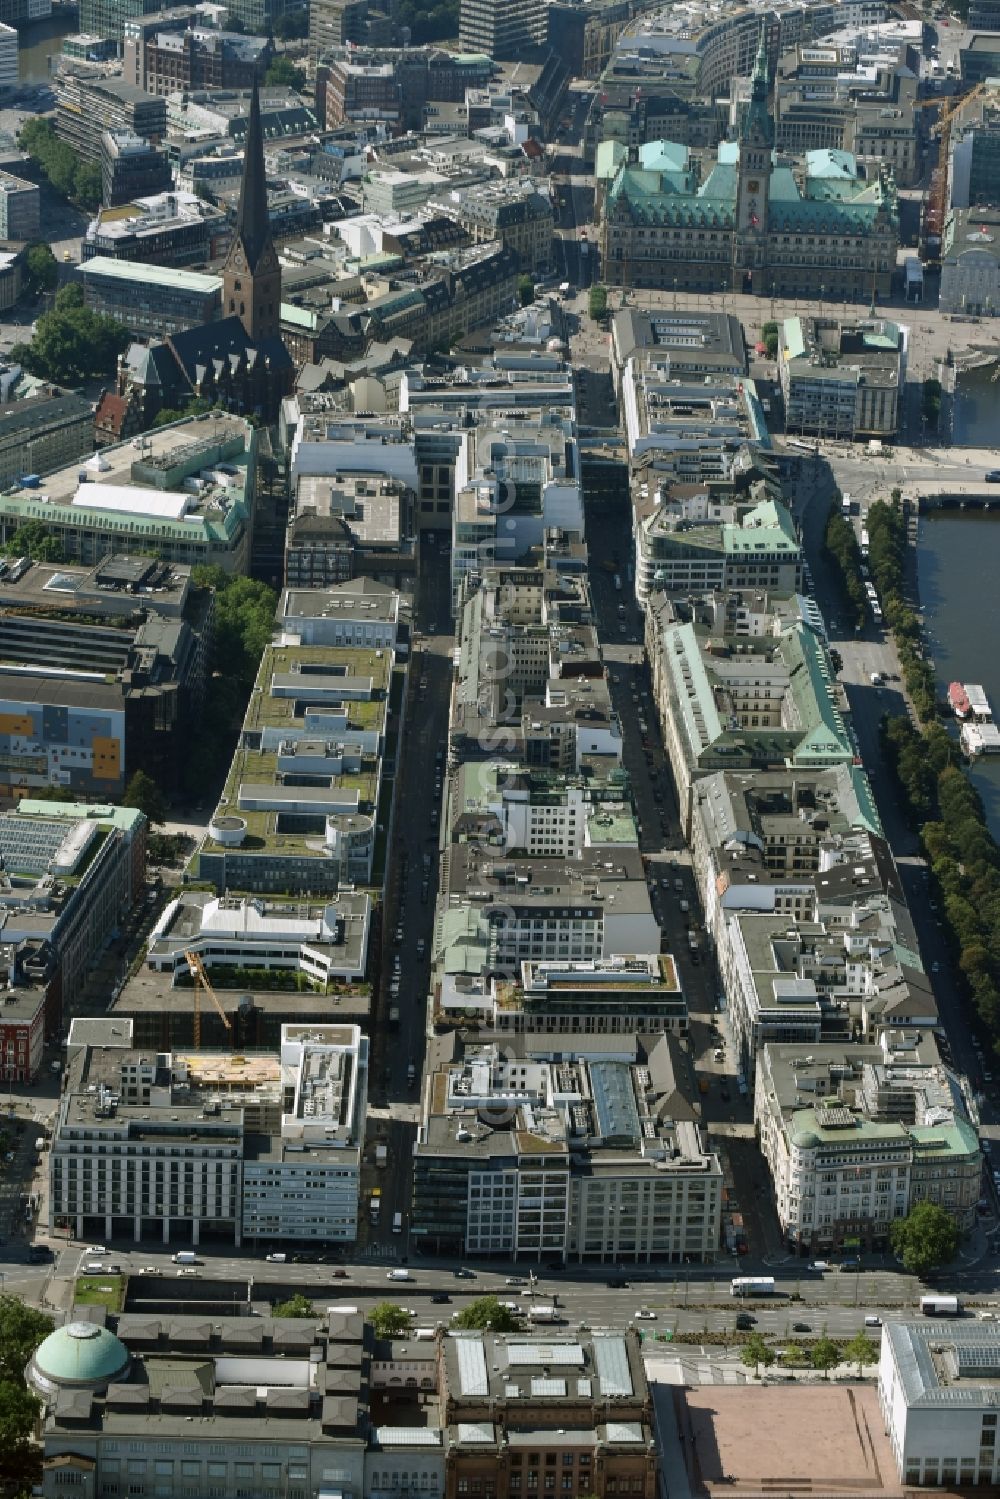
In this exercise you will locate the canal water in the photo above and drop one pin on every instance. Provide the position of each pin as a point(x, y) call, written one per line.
point(958, 560)
point(38, 41)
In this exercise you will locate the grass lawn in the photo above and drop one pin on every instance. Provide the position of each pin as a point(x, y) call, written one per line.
point(101, 1290)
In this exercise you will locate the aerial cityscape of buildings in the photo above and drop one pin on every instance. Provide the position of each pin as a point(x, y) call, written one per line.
point(453, 825)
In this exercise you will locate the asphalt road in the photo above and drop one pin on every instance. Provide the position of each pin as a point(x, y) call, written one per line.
point(695, 1301)
point(411, 892)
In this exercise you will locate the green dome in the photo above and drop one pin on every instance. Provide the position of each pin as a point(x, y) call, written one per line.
point(805, 1139)
point(81, 1353)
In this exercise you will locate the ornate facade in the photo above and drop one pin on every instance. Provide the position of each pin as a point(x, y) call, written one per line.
point(752, 224)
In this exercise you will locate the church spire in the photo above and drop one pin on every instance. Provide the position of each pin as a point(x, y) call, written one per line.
point(252, 276)
point(759, 86)
point(252, 223)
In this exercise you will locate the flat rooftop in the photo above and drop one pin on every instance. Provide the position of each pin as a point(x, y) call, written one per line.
point(147, 478)
point(141, 274)
point(151, 992)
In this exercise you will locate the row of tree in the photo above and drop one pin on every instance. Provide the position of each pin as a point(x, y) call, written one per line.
point(72, 344)
point(841, 547)
point(887, 561)
point(244, 622)
point(940, 800)
point(823, 1355)
point(68, 174)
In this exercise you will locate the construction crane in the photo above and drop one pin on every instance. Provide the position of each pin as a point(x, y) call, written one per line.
point(201, 981)
point(936, 205)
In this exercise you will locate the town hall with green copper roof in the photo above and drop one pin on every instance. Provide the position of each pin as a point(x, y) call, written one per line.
point(750, 221)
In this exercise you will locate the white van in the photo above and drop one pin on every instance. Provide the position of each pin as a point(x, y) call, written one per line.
point(397, 1223)
point(185, 1257)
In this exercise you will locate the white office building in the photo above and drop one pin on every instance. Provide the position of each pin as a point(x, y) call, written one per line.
point(939, 1389)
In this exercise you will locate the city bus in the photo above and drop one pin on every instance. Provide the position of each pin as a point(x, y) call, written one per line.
point(752, 1285)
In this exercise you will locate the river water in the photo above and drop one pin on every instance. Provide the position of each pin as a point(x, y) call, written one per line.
point(958, 557)
point(38, 41)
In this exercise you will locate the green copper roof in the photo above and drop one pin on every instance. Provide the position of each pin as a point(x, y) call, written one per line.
point(831, 163)
point(795, 343)
point(663, 156)
point(81, 1353)
point(610, 155)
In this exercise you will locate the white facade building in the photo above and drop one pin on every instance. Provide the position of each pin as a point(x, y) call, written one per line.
point(306, 1184)
point(939, 1389)
point(8, 68)
point(207, 1144)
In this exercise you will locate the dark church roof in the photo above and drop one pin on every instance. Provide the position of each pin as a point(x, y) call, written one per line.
point(212, 343)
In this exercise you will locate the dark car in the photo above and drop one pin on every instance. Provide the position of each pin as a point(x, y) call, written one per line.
point(440, 1298)
point(465, 1274)
point(618, 1285)
point(801, 1327)
point(745, 1321)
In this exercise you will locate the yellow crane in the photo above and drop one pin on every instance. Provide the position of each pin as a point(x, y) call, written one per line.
point(936, 202)
point(201, 981)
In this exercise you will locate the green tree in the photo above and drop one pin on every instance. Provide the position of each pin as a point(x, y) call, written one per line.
point(88, 190)
point(428, 23)
point(389, 1320)
point(925, 1239)
point(65, 171)
point(69, 297)
point(297, 1306)
point(41, 269)
point(825, 1355)
point(597, 303)
point(293, 25)
point(143, 793)
point(34, 539)
point(71, 343)
point(21, 1330)
point(284, 74)
point(861, 1351)
point(755, 1352)
point(20, 1456)
point(794, 1354)
point(487, 1311)
point(931, 401)
point(244, 622)
point(526, 290)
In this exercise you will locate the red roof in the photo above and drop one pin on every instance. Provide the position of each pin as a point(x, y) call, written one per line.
point(111, 411)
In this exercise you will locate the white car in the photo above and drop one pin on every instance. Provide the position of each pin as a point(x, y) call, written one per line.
point(645, 1316)
point(95, 1249)
point(820, 1265)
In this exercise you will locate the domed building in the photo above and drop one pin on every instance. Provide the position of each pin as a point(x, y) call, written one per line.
point(79, 1356)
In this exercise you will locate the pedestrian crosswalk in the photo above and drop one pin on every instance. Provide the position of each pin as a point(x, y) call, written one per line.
point(379, 1252)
